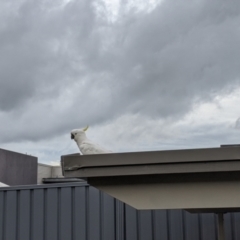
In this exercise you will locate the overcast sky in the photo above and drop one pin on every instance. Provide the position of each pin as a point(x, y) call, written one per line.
point(144, 75)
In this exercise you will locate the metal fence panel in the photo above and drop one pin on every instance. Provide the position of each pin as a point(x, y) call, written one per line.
point(176, 228)
point(77, 211)
point(160, 223)
point(2, 220)
point(93, 213)
point(145, 225)
point(24, 215)
point(192, 226)
point(131, 223)
point(208, 226)
point(235, 226)
point(37, 214)
point(80, 216)
point(66, 211)
point(108, 216)
point(52, 214)
point(11, 215)
point(119, 214)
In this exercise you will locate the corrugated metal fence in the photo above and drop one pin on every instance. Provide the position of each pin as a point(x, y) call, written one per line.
point(77, 211)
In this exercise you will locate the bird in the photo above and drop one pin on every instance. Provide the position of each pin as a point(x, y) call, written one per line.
point(85, 145)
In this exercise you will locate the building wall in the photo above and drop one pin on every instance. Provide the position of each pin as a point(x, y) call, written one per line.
point(57, 171)
point(44, 171)
point(77, 211)
point(48, 171)
point(17, 168)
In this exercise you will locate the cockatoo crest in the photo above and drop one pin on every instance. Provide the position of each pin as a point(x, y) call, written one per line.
point(75, 133)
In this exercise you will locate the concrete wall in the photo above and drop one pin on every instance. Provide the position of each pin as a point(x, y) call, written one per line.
point(44, 171)
point(17, 168)
point(56, 171)
point(48, 171)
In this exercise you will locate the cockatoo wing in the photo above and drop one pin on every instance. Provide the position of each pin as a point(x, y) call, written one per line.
point(92, 148)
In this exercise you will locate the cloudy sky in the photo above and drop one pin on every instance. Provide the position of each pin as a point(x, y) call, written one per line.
point(145, 75)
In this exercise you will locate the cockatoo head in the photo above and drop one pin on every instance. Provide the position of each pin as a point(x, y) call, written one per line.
point(79, 134)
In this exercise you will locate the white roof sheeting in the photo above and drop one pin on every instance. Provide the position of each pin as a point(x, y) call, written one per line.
point(3, 184)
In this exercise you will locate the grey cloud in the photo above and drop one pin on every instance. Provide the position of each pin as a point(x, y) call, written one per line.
point(161, 62)
point(180, 56)
point(34, 49)
point(157, 63)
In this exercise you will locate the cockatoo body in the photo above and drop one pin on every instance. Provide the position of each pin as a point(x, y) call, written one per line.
point(84, 144)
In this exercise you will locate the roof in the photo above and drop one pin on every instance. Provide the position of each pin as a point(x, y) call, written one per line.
point(155, 162)
point(195, 179)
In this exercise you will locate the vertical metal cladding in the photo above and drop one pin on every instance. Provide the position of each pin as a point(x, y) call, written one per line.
point(77, 211)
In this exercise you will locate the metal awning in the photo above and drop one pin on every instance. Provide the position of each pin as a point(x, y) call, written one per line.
point(198, 180)
point(194, 179)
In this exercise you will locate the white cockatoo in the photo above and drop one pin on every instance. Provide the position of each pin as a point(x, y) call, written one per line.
point(85, 145)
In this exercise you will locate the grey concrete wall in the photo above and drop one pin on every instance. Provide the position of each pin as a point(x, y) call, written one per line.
point(17, 168)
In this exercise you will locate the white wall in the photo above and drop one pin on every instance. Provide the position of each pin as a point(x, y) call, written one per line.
point(57, 171)
point(48, 171)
